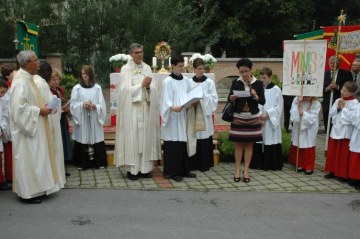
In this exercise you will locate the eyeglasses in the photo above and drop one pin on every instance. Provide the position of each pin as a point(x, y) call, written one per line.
point(36, 60)
point(244, 72)
point(138, 52)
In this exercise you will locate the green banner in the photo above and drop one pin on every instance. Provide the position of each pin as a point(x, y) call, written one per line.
point(27, 34)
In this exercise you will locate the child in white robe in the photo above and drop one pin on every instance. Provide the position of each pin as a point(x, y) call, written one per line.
point(338, 154)
point(173, 122)
point(3, 185)
point(88, 109)
point(204, 156)
point(304, 114)
point(268, 153)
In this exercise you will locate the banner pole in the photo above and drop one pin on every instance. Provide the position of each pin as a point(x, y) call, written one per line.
point(341, 19)
point(300, 116)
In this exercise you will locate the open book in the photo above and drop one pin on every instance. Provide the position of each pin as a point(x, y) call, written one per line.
point(194, 95)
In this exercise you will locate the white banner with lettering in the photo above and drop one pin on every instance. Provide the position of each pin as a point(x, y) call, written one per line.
point(350, 42)
point(303, 67)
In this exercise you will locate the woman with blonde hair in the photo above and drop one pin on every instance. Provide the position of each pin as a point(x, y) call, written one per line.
point(56, 89)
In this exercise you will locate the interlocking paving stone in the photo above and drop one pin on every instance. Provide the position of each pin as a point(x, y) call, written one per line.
point(219, 178)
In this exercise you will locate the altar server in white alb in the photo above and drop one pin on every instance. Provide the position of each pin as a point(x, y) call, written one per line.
point(174, 122)
point(138, 125)
point(44, 75)
point(338, 154)
point(268, 153)
point(35, 171)
point(304, 113)
point(88, 110)
point(204, 157)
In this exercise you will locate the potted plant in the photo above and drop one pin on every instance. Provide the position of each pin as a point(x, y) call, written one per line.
point(117, 61)
point(226, 147)
point(208, 59)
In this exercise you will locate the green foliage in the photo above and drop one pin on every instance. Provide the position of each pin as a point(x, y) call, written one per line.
point(68, 82)
point(286, 142)
point(226, 147)
point(274, 78)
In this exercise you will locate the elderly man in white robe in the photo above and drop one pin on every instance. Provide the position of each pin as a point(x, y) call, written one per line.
point(137, 130)
point(35, 171)
point(40, 80)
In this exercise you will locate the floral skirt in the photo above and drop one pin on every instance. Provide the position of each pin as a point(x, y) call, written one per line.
point(245, 127)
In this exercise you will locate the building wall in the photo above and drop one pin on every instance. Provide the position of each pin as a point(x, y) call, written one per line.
point(53, 59)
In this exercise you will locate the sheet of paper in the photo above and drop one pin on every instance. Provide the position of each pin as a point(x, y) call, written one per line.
point(194, 95)
point(241, 93)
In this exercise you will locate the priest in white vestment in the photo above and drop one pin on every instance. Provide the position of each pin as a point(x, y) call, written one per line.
point(138, 127)
point(35, 171)
point(40, 80)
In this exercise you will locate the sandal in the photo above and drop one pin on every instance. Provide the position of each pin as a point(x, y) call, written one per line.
point(246, 180)
point(236, 180)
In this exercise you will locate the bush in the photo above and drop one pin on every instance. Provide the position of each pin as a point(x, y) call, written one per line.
point(68, 82)
point(226, 147)
point(286, 142)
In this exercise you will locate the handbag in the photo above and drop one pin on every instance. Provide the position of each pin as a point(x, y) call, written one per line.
point(228, 112)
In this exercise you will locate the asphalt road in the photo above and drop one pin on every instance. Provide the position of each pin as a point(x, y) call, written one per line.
point(109, 213)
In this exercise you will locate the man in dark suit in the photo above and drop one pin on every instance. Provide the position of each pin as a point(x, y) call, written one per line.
point(355, 71)
point(340, 77)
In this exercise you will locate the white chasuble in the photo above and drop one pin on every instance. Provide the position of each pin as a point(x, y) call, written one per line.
point(54, 124)
point(137, 122)
point(34, 167)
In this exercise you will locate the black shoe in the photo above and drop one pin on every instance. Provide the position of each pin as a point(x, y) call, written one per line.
point(329, 175)
point(308, 172)
point(300, 170)
point(67, 174)
point(236, 180)
point(35, 200)
point(145, 175)
point(176, 178)
point(132, 176)
point(4, 187)
point(190, 175)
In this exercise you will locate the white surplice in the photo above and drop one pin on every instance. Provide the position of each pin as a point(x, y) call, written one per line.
point(54, 124)
point(209, 104)
point(309, 123)
point(342, 124)
point(137, 122)
point(173, 124)
point(5, 120)
point(33, 164)
point(354, 117)
point(273, 107)
point(88, 124)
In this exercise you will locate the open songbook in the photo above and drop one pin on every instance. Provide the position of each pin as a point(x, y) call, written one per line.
point(54, 104)
point(194, 95)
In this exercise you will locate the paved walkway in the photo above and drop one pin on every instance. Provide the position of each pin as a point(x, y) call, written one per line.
point(219, 178)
